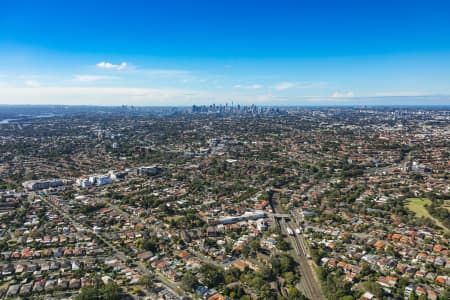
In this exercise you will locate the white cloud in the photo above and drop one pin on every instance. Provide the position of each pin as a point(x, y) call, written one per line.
point(142, 71)
point(302, 85)
point(108, 65)
point(250, 87)
point(342, 94)
point(111, 96)
point(122, 66)
point(104, 96)
point(165, 72)
point(285, 85)
point(398, 94)
point(91, 78)
point(313, 85)
point(32, 83)
point(266, 98)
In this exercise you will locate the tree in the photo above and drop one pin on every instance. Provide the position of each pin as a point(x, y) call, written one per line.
point(189, 282)
point(295, 294)
point(111, 291)
point(445, 295)
point(290, 277)
point(412, 296)
point(231, 275)
point(212, 276)
point(282, 244)
point(148, 281)
point(100, 291)
point(266, 273)
point(254, 246)
point(88, 293)
point(266, 293)
point(374, 288)
point(150, 244)
point(283, 263)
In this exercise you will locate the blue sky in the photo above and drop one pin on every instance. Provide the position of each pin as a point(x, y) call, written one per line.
point(262, 52)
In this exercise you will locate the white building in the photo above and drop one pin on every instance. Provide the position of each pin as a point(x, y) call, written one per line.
point(150, 170)
point(98, 180)
point(103, 180)
point(34, 185)
point(84, 182)
point(117, 175)
point(261, 225)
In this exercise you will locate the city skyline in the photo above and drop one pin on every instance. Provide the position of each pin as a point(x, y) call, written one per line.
point(288, 53)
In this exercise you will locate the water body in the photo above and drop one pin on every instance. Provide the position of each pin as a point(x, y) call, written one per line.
point(6, 121)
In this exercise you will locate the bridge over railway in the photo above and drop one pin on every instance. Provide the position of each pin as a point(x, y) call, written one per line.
point(280, 216)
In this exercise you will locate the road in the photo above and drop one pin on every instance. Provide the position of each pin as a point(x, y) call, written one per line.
point(173, 286)
point(197, 254)
point(308, 283)
point(141, 268)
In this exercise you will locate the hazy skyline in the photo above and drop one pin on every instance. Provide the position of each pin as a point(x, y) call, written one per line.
point(202, 52)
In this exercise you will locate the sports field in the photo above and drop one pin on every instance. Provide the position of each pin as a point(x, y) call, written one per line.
point(417, 205)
